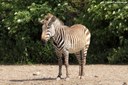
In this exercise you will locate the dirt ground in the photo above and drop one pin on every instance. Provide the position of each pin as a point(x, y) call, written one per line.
point(46, 74)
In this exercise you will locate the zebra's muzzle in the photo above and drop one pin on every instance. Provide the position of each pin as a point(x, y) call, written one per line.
point(44, 43)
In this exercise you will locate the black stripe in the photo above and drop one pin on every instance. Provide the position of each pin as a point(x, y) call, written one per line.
point(58, 39)
point(61, 41)
point(54, 43)
point(61, 45)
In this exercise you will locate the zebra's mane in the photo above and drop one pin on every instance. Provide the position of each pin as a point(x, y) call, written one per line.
point(61, 21)
point(58, 22)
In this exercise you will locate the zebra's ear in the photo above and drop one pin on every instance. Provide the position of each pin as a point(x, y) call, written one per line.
point(53, 19)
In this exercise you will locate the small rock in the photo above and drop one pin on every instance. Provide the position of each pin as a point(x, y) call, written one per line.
point(96, 76)
point(124, 83)
point(36, 73)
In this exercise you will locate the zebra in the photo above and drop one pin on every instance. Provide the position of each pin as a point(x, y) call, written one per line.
point(74, 39)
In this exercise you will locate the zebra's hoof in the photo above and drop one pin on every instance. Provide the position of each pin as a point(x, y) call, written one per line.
point(81, 77)
point(67, 79)
point(58, 78)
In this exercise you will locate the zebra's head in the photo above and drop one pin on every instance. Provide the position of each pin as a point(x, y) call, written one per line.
point(48, 29)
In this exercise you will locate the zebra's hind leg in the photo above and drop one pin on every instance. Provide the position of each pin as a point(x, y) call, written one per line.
point(60, 65)
point(82, 61)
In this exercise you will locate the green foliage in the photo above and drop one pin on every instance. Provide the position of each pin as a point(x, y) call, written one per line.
point(119, 56)
point(22, 17)
point(109, 29)
point(20, 29)
point(20, 33)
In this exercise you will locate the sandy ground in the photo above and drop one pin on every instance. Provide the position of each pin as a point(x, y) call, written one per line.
point(46, 74)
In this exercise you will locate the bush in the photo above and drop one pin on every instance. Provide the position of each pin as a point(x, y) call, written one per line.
point(109, 27)
point(20, 29)
point(119, 55)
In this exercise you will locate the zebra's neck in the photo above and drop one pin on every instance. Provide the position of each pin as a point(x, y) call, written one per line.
point(59, 37)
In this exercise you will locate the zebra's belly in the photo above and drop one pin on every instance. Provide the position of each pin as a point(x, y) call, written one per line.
point(76, 46)
point(75, 49)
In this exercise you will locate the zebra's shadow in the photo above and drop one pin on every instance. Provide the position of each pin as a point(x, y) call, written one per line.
point(35, 79)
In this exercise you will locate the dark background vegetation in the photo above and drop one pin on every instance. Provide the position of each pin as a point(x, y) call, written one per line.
point(20, 29)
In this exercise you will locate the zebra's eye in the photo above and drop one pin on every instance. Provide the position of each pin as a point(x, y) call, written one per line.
point(48, 27)
point(46, 19)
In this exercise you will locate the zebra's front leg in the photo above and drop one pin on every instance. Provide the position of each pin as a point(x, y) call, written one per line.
point(66, 62)
point(60, 68)
point(60, 65)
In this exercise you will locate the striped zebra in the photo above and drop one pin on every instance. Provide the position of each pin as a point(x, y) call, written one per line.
point(74, 39)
